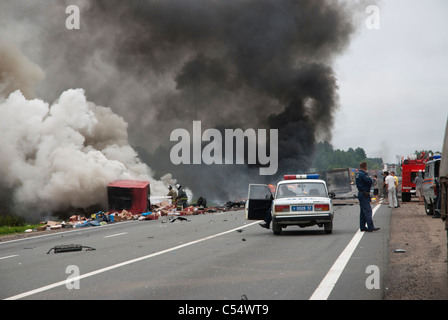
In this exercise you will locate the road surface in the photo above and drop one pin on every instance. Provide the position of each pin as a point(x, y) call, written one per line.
point(218, 256)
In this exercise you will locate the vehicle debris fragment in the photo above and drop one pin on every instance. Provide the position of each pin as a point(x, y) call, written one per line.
point(180, 219)
point(69, 248)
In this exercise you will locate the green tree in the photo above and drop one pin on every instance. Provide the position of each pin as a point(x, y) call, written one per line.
point(326, 158)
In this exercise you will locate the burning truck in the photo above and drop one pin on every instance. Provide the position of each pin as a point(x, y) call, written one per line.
point(130, 195)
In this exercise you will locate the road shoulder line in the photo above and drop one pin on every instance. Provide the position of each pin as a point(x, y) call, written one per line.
point(327, 284)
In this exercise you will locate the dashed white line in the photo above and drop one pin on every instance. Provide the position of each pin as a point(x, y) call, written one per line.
point(116, 234)
point(12, 256)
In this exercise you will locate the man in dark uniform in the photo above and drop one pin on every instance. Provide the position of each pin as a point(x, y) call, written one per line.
point(364, 183)
point(267, 218)
point(181, 198)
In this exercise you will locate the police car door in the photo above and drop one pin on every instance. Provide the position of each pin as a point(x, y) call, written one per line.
point(259, 200)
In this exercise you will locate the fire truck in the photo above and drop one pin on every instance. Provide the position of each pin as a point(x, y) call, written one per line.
point(410, 168)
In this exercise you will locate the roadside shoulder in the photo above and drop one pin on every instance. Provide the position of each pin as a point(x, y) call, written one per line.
point(417, 267)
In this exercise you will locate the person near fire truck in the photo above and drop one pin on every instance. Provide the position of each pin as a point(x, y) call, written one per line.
point(419, 187)
point(364, 183)
point(392, 173)
point(390, 184)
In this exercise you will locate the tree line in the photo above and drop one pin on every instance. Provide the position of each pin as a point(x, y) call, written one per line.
point(326, 158)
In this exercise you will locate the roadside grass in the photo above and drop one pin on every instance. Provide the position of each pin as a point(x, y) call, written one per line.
point(19, 229)
point(10, 224)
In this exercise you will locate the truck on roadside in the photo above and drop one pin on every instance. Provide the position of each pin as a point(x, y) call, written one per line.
point(431, 185)
point(443, 180)
point(410, 168)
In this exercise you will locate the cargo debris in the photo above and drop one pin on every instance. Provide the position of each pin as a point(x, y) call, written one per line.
point(125, 193)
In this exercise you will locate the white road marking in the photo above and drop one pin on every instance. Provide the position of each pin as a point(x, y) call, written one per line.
point(114, 235)
point(76, 230)
point(14, 255)
point(118, 265)
point(329, 281)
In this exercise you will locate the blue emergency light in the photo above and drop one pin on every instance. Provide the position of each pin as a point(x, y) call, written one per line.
point(437, 156)
point(300, 176)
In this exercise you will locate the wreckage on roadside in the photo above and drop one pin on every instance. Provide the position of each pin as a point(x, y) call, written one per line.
point(130, 200)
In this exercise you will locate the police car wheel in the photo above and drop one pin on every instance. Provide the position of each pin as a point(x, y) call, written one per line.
point(328, 227)
point(276, 228)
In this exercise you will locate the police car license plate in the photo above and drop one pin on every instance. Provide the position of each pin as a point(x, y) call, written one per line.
point(301, 208)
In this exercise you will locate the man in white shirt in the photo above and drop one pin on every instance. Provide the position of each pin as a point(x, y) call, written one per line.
point(391, 193)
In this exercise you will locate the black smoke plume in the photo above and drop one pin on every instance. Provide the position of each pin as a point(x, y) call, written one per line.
point(261, 64)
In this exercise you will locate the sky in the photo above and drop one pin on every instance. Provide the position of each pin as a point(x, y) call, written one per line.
point(393, 82)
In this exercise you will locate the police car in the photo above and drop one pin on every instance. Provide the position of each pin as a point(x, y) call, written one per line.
point(300, 200)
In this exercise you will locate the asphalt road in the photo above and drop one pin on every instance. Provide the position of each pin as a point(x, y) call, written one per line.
point(217, 256)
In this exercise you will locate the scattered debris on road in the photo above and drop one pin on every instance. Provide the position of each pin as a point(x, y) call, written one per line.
point(69, 248)
point(156, 211)
point(179, 219)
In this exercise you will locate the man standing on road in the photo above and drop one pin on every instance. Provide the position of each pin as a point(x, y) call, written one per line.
point(364, 183)
point(396, 186)
point(390, 183)
point(419, 188)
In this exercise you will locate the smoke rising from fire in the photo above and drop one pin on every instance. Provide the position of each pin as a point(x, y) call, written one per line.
point(160, 65)
point(61, 156)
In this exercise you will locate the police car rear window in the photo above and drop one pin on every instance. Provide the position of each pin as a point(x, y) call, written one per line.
point(303, 189)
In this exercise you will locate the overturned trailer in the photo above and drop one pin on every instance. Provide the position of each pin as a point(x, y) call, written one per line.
point(338, 180)
point(130, 195)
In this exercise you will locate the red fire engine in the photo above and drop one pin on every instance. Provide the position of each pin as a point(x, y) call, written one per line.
point(409, 170)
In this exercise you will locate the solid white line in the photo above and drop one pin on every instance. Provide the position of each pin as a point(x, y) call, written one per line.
point(329, 281)
point(118, 265)
point(14, 255)
point(114, 235)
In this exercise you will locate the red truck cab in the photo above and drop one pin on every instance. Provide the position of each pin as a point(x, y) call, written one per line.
point(409, 170)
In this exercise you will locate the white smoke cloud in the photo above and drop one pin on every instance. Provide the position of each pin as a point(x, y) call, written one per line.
point(63, 155)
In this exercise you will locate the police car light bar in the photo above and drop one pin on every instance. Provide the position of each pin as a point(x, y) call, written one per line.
point(300, 176)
